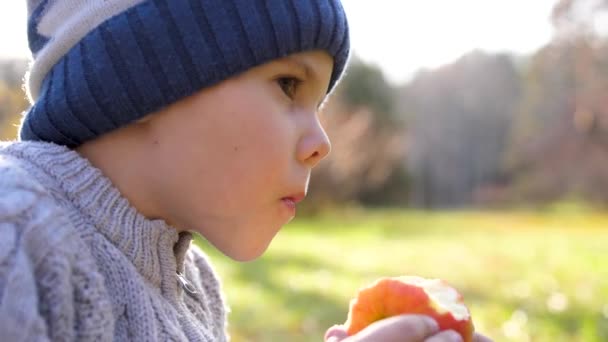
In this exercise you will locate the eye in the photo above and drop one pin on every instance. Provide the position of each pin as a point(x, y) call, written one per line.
point(289, 85)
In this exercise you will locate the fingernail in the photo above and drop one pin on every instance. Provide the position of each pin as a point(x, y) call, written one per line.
point(454, 336)
point(431, 323)
point(335, 333)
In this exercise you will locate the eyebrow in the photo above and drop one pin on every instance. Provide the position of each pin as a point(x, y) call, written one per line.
point(302, 64)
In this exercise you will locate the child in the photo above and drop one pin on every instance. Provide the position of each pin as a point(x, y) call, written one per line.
point(152, 120)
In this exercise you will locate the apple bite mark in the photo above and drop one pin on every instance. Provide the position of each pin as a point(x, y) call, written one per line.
point(446, 299)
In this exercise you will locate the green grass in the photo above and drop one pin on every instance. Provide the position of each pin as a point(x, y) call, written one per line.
point(526, 276)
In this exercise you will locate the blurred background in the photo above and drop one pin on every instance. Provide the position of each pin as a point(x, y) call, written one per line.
point(470, 143)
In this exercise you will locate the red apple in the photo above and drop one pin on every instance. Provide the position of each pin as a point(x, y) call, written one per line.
point(388, 297)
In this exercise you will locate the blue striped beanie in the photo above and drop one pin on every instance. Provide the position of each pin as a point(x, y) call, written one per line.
point(99, 65)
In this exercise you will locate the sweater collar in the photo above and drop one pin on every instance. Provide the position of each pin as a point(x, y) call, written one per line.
point(155, 248)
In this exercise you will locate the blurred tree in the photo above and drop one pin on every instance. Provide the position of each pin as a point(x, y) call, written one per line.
point(469, 130)
point(459, 124)
point(12, 72)
point(365, 86)
point(575, 18)
point(560, 140)
point(12, 98)
point(12, 103)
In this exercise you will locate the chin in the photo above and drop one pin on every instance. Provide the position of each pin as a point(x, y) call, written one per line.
point(244, 249)
point(245, 242)
point(246, 254)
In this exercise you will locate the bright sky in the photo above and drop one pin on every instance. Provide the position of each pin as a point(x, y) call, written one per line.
point(401, 36)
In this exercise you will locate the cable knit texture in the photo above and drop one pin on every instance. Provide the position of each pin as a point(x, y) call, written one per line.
point(78, 262)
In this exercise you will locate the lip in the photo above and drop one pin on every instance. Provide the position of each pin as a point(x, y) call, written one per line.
point(295, 198)
point(291, 201)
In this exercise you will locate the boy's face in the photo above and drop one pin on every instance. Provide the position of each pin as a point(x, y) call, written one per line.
point(225, 161)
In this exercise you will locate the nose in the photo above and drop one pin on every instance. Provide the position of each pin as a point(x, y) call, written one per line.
point(314, 145)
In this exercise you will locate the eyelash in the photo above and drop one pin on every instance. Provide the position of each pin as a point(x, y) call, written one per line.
point(294, 82)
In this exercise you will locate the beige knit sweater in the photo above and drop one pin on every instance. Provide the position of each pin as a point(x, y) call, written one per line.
point(79, 263)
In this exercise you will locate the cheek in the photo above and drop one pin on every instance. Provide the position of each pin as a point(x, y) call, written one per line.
point(237, 148)
point(260, 149)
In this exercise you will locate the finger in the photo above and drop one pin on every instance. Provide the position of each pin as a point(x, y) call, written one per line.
point(403, 328)
point(335, 334)
point(481, 338)
point(445, 336)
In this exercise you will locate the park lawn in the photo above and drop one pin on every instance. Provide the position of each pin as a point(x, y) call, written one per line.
point(526, 276)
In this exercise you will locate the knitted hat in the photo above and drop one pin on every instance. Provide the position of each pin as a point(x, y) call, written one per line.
point(99, 65)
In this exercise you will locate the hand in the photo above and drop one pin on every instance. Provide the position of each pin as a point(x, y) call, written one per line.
point(404, 328)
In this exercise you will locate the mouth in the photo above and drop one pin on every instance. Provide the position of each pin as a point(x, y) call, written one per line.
point(291, 201)
point(296, 198)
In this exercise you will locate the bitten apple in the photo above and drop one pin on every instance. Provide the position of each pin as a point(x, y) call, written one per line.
point(388, 297)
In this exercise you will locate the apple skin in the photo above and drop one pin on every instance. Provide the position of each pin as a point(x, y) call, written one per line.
point(391, 296)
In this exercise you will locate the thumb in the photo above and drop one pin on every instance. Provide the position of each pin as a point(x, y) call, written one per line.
point(335, 334)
